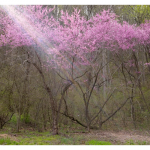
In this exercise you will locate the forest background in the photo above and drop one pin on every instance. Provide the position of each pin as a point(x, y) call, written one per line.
point(74, 65)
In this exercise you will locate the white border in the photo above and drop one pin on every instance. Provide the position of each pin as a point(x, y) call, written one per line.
point(68, 147)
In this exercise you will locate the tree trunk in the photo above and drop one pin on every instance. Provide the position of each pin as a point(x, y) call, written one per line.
point(54, 113)
point(18, 122)
point(104, 74)
point(87, 118)
point(53, 104)
point(88, 128)
point(1, 125)
point(55, 125)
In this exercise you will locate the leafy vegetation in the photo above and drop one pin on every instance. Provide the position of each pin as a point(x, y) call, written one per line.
point(94, 142)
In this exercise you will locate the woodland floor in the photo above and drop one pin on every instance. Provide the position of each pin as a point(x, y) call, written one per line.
point(128, 137)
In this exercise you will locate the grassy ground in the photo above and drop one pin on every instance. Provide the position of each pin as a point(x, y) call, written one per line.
point(28, 137)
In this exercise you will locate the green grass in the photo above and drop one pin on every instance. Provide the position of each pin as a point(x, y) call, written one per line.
point(43, 139)
point(7, 141)
point(131, 142)
point(94, 142)
point(38, 139)
point(66, 141)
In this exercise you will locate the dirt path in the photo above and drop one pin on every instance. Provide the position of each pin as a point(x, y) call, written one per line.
point(126, 137)
point(121, 136)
